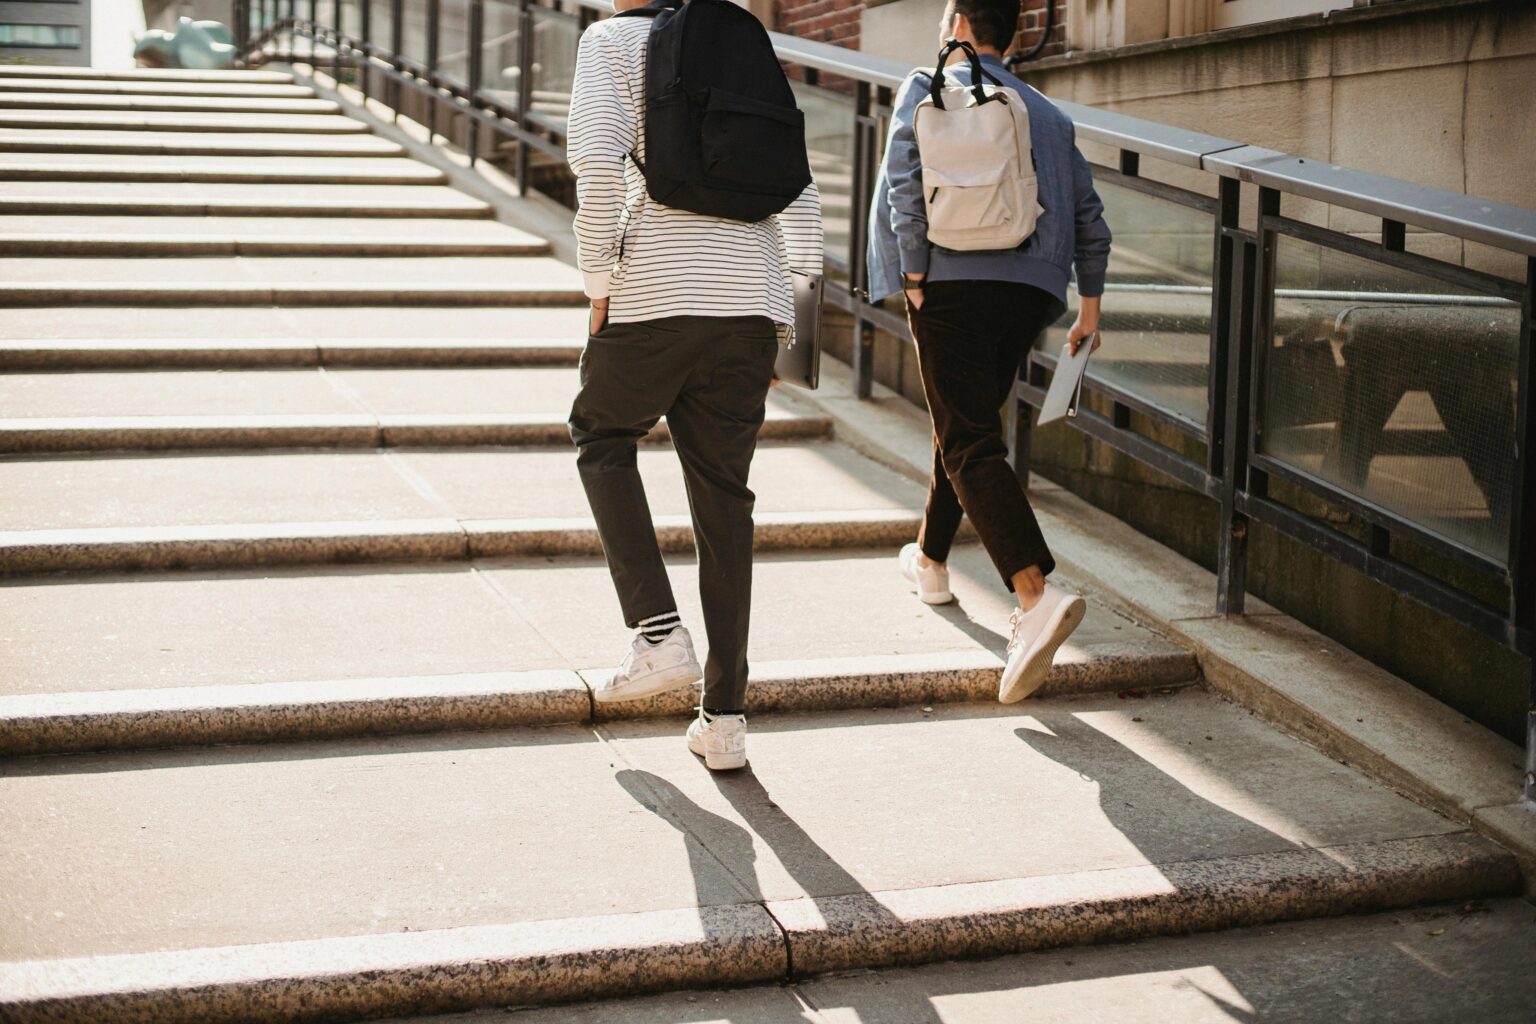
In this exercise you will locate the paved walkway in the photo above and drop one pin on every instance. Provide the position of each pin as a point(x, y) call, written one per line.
point(302, 607)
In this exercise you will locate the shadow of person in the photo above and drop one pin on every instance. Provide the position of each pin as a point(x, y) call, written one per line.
point(723, 858)
point(1157, 813)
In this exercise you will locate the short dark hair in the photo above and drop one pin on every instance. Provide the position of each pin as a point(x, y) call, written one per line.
point(993, 22)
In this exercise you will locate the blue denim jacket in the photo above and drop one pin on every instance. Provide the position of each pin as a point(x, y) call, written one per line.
point(1071, 230)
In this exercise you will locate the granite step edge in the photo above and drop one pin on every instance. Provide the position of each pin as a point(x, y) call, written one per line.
point(220, 546)
point(273, 712)
point(39, 435)
point(588, 958)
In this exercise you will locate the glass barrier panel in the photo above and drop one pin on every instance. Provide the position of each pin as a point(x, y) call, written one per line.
point(350, 15)
point(381, 32)
point(498, 52)
point(1156, 314)
point(453, 40)
point(829, 128)
point(555, 39)
point(413, 28)
point(1396, 388)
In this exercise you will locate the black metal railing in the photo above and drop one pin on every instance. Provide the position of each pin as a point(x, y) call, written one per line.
point(1284, 344)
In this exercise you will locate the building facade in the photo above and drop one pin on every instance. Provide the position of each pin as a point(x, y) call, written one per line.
point(45, 32)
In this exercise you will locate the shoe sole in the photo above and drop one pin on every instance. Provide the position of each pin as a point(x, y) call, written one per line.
point(1038, 668)
point(719, 762)
point(658, 683)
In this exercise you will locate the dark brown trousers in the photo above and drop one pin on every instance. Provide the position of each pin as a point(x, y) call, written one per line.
point(971, 337)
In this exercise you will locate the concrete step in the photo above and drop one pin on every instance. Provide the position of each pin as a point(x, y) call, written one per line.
point(226, 354)
point(341, 333)
point(81, 635)
point(149, 199)
point(261, 236)
point(95, 101)
point(140, 87)
point(289, 281)
point(173, 121)
point(44, 140)
point(272, 170)
point(15, 71)
point(1461, 961)
point(416, 874)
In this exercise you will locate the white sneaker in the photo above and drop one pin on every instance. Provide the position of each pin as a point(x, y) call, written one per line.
point(1036, 636)
point(720, 740)
point(932, 583)
point(649, 669)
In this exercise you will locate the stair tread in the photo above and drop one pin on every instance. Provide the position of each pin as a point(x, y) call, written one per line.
point(351, 325)
point(166, 837)
point(56, 100)
point(181, 120)
point(75, 634)
point(385, 273)
point(169, 491)
point(405, 231)
point(236, 142)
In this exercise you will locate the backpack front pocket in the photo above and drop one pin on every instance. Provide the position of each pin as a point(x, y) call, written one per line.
point(752, 146)
point(995, 215)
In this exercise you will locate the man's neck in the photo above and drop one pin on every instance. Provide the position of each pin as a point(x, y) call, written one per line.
point(983, 51)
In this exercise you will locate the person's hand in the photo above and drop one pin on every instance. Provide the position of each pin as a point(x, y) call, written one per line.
point(598, 316)
point(913, 287)
point(1086, 324)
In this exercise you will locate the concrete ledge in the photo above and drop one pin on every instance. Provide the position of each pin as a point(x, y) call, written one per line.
point(251, 171)
point(911, 926)
point(25, 552)
point(40, 354)
point(60, 723)
point(145, 74)
point(427, 972)
point(273, 712)
point(1294, 676)
point(197, 207)
point(879, 681)
point(166, 121)
point(176, 433)
point(150, 245)
point(552, 961)
point(140, 294)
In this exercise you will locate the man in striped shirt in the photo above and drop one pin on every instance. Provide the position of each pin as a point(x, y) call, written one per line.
point(686, 316)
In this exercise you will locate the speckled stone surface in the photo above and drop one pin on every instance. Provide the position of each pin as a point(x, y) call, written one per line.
point(158, 433)
point(266, 712)
point(421, 972)
point(1015, 915)
point(180, 547)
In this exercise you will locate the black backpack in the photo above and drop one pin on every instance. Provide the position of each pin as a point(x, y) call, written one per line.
point(723, 136)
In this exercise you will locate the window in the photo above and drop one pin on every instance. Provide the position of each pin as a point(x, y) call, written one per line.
point(1227, 13)
point(55, 36)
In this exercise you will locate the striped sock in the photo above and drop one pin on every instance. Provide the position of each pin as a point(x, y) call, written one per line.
point(658, 627)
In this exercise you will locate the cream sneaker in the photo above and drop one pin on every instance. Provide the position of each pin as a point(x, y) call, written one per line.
point(720, 740)
point(932, 583)
point(649, 669)
point(1036, 636)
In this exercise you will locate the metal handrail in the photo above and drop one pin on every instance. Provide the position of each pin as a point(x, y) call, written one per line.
point(1235, 470)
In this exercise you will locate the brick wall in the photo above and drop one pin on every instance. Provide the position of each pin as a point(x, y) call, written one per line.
point(827, 21)
point(837, 21)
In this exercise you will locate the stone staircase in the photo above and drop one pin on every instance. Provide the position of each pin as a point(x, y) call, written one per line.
point(301, 605)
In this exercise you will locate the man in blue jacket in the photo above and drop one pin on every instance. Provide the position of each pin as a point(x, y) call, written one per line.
point(974, 316)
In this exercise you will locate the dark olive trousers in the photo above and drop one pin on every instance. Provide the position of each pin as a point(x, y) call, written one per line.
point(971, 337)
point(709, 376)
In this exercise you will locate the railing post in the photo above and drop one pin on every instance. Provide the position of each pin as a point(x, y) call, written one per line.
point(434, 17)
point(476, 56)
point(1252, 279)
point(866, 150)
point(1522, 538)
point(365, 42)
point(524, 91)
point(396, 44)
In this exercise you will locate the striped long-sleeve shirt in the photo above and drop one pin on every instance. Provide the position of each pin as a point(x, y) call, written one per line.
point(651, 260)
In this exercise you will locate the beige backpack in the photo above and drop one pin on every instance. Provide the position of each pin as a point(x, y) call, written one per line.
point(978, 166)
